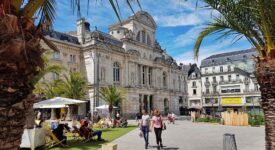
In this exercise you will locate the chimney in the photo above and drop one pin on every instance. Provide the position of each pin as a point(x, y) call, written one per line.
point(81, 30)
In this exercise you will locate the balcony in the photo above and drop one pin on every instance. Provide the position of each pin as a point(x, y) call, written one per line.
point(237, 81)
point(246, 81)
point(206, 94)
point(215, 83)
point(207, 83)
point(251, 91)
point(194, 86)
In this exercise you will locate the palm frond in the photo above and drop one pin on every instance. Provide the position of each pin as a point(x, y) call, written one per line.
point(47, 13)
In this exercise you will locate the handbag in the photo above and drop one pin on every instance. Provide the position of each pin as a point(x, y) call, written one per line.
point(140, 134)
point(163, 126)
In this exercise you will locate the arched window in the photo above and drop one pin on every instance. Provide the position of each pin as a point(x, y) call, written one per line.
point(194, 84)
point(116, 72)
point(138, 36)
point(164, 76)
point(148, 40)
point(143, 35)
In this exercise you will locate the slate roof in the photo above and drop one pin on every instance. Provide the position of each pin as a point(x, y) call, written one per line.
point(63, 37)
point(106, 37)
point(225, 58)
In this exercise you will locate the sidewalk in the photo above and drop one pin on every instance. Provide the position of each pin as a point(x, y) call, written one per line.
point(185, 135)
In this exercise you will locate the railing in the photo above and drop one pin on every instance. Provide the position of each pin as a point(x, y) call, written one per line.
point(251, 91)
point(207, 83)
point(231, 81)
point(214, 82)
point(210, 93)
point(194, 86)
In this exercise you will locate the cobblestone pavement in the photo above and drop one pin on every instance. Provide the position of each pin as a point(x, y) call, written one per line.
point(185, 135)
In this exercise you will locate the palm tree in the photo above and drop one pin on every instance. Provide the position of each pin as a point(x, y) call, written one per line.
point(112, 95)
point(255, 21)
point(73, 86)
point(21, 61)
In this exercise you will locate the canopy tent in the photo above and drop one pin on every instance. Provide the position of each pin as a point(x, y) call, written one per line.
point(57, 102)
point(105, 107)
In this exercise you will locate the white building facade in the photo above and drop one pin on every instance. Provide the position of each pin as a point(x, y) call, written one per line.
point(228, 81)
point(130, 57)
point(194, 88)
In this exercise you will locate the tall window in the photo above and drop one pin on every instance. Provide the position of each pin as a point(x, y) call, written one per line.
point(148, 40)
point(116, 72)
point(214, 88)
point(179, 83)
point(256, 87)
point(138, 36)
point(221, 78)
point(150, 76)
point(214, 79)
point(56, 55)
point(237, 77)
point(143, 74)
point(143, 35)
point(194, 92)
point(194, 83)
point(229, 68)
point(164, 76)
point(206, 70)
point(207, 91)
point(206, 79)
point(72, 58)
point(221, 69)
point(213, 69)
point(229, 78)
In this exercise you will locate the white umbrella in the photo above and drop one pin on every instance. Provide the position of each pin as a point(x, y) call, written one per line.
point(105, 107)
point(57, 102)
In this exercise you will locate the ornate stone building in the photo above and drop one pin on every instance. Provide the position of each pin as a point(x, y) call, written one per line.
point(129, 57)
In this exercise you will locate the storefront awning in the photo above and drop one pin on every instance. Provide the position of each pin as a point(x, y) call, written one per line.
point(57, 102)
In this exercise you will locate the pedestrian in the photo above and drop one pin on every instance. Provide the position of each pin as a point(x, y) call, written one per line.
point(173, 117)
point(144, 126)
point(169, 116)
point(158, 125)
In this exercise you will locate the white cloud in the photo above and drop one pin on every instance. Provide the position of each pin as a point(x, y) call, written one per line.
point(183, 19)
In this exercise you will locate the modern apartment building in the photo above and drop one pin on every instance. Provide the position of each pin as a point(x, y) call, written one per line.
point(228, 81)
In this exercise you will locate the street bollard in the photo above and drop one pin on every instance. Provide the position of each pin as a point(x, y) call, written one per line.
point(229, 142)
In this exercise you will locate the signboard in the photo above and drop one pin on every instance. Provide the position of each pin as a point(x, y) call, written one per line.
point(231, 100)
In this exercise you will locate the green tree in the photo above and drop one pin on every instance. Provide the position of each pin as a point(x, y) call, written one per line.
point(253, 20)
point(21, 60)
point(73, 86)
point(112, 95)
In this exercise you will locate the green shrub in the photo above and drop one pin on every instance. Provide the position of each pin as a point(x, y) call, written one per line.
point(214, 120)
point(256, 119)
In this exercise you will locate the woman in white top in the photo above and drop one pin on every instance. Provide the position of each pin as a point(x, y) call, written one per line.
point(144, 126)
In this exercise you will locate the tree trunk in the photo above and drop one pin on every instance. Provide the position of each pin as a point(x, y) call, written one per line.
point(265, 73)
point(20, 62)
point(12, 123)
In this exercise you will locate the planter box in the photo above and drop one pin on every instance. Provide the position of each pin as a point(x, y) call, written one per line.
point(109, 146)
point(33, 138)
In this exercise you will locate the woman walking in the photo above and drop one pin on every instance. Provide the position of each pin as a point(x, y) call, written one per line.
point(158, 125)
point(144, 126)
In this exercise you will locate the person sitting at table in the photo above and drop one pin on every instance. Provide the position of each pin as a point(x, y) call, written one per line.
point(59, 133)
point(88, 132)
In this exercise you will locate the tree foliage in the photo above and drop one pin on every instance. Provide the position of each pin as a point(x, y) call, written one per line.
point(112, 95)
point(253, 20)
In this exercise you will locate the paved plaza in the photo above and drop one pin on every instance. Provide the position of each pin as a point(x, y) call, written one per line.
point(185, 135)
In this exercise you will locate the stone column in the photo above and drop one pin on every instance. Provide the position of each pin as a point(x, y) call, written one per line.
point(53, 115)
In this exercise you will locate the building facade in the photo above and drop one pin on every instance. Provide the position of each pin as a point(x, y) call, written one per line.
point(194, 88)
point(129, 57)
point(228, 81)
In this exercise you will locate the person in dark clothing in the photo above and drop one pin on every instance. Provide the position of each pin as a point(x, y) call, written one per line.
point(89, 132)
point(59, 132)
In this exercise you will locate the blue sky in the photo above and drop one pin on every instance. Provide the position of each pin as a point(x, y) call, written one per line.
point(179, 23)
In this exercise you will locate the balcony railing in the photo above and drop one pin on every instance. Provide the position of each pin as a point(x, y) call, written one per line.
point(194, 86)
point(214, 82)
point(207, 83)
point(231, 81)
point(251, 91)
point(215, 93)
